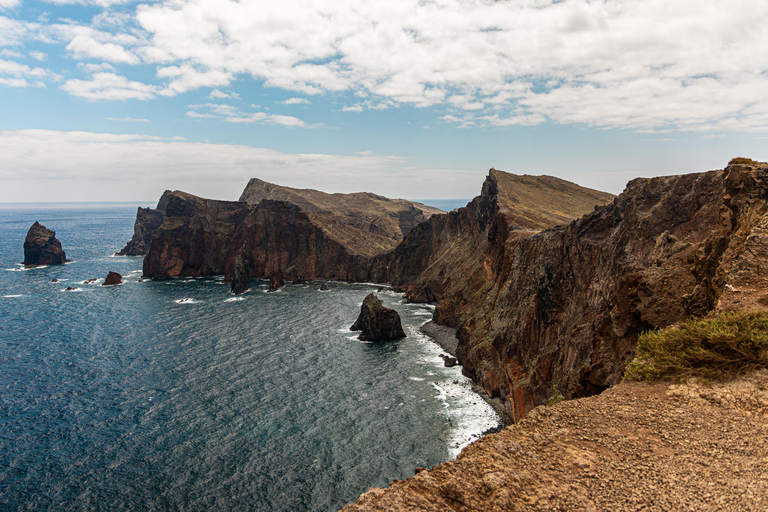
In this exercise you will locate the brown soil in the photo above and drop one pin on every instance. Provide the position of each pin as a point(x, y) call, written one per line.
point(635, 447)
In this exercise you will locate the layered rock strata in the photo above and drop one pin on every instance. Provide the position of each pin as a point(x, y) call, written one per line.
point(377, 322)
point(41, 247)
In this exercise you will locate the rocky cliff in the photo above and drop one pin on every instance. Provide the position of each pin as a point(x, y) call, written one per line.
point(147, 222)
point(202, 236)
point(566, 305)
point(41, 247)
point(364, 223)
point(452, 257)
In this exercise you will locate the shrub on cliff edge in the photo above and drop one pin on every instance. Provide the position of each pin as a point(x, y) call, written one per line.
point(715, 348)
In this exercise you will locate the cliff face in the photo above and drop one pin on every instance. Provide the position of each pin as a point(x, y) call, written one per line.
point(366, 224)
point(454, 257)
point(41, 247)
point(147, 222)
point(202, 236)
point(567, 304)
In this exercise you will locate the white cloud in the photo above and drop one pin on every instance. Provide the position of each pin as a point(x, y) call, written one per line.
point(13, 74)
point(220, 95)
point(109, 86)
point(547, 58)
point(132, 166)
point(296, 101)
point(9, 4)
point(38, 55)
point(99, 3)
point(84, 46)
point(234, 114)
point(631, 64)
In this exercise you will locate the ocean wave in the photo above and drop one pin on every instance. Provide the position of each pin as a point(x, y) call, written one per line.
point(22, 268)
point(71, 289)
point(234, 299)
point(187, 300)
point(11, 296)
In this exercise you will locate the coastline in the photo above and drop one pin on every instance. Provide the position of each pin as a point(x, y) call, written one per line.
point(446, 338)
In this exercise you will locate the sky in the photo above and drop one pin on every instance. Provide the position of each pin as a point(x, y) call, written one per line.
point(116, 100)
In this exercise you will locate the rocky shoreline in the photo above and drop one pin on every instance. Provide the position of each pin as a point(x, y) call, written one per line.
point(446, 338)
point(636, 446)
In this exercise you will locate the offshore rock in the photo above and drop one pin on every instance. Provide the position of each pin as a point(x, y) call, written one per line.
point(276, 280)
point(42, 248)
point(241, 280)
point(377, 322)
point(147, 222)
point(112, 279)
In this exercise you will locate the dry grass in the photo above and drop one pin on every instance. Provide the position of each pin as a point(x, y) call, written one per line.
point(717, 348)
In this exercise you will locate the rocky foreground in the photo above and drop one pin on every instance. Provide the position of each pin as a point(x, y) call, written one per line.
point(634, 447)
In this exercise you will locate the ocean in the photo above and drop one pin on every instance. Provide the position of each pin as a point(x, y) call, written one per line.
point(175, 395)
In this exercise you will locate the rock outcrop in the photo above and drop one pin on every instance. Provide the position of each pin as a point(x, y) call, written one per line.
point(42, 248)
point(112, 278)
point(241, 279)
point(565, 306)
point(377, 322)
point(147, 222)
point(276, 280)
point(364, 223)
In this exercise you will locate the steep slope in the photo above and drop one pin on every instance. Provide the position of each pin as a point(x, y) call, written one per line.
point(202, 236)
point(454, 256)
point(364, 223)
point(567, 304)
point(147, 222)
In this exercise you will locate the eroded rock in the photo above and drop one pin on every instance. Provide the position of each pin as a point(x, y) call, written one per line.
point(241, 280)
point(112, 278)
point(42, 248)
point(377, 322)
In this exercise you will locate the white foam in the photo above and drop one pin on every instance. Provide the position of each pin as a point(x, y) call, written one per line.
point(187, 300)
point(24, 269)
point(73, 290)
point(234, 299)
point(11, 296)
point(418, 379)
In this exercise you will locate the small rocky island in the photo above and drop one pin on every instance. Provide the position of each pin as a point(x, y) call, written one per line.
point(112, 279)
point(377, 322)
point(42, 248)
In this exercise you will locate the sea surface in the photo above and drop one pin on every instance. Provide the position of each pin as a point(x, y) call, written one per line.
point(175, 395)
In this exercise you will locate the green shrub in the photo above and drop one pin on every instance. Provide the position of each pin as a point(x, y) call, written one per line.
point(556, 397)
point(741, 160)
point(715, 348)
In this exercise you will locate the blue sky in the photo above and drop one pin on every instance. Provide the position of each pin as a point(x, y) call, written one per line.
point(120, 100)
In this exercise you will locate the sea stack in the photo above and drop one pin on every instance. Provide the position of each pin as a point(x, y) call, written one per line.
point(241, 281)
point(276, 280)
point(112, 279)
point(377, 322)
point(42, 248)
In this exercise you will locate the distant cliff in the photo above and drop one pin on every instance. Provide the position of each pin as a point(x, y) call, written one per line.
point(147, 222)
point(364, 223)
point(201, 237)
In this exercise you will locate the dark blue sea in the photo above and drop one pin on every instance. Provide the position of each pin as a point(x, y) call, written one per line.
point(176, 395)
